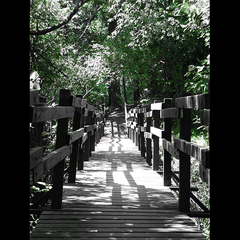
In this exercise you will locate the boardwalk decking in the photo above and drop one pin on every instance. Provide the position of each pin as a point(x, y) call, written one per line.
point(116, 196)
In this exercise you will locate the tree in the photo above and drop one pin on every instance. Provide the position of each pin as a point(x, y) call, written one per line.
point(78, 4)
point(60, 46)
point(155, 42)
point(160, 48)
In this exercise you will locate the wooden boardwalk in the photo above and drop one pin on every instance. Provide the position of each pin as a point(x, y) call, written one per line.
point(116, 196)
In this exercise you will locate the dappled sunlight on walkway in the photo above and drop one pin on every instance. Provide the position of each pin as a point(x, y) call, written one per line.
point(117, 175)
point(116, 196)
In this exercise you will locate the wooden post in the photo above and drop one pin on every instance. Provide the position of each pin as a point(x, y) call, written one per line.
point(142, 144)
point(80, 148)
point(156, 157)
point(92, 138)
point(184, 163)
point(133, 131)
point(167, 156)
point(87, 153)
point(75, 146)
point(62, 130)
point(97, 138)
point(138, 132)
point(149, 142)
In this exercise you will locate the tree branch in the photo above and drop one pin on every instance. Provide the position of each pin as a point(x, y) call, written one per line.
point(87, 92)
point(54, 27)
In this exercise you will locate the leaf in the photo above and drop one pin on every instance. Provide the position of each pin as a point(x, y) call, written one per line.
point(44, 133)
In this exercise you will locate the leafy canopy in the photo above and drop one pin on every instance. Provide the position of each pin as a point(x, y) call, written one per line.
point(161, 48)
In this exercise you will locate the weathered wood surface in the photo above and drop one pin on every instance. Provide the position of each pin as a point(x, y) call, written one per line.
point(116, 196)
point(51, 160)
point(41, 114)
point(200, 101)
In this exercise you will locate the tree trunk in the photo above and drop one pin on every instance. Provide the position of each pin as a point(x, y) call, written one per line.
point(114, 94)
point(136, 93)
point(125, 98)
point(124, 90)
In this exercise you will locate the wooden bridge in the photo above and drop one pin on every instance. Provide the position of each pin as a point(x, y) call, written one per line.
point(115, 189)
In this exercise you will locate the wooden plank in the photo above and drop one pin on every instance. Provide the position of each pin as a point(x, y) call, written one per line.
point(157, 132)
point(167, 158)
point(109, 209)
point(116, 196)
point(161, 105)
point(204, 174)
point(167, 145)
point(205, 117)
point(115, 225)
point(88, 128)
point(40, 200)
point(148, 136)
point(170, 113)
point(112, 216)
point(200, 101)
point(157, 106)
point(42, 114)
point(148, 114)
point(200, 204)
point(33, 97)
point(70, 222)
point(36, 155)
point(80, 161)
point(117, 228)
point(114, 235)
point(184, 164)
point(97, 213)
point(199, 214)
point(176, 188)
point(85, 112)
point(92, 138)
point(49, 161)
point(90, 107)
point(74, 138)
point(75, 135)
point(78, 102)
point(58, 170)
point(183, 145)
point(142, 129)
point(135, 110)
point(202, 154)
point(85, 136)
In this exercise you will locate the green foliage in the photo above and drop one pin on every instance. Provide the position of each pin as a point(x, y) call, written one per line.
point(162, 46)
point(60, 57)
point(156, 42)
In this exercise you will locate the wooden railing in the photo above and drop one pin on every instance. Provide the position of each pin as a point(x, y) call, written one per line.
point(144, 129)
point(88, 128)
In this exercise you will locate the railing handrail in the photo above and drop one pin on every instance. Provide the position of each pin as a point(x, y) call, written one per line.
point(88, 128)
point(181, 148)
